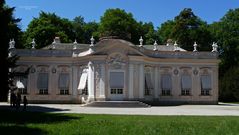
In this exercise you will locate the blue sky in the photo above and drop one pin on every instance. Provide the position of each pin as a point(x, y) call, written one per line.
point(156, 11)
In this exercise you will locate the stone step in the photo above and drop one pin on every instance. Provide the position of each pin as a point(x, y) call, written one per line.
point(120, 104)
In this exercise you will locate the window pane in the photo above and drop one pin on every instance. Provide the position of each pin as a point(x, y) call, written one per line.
point(116, 79)
point(166, 82)
point(42, 81)
point(148, 81)
point(63, 81)
point(186, 82)
point(206, 82)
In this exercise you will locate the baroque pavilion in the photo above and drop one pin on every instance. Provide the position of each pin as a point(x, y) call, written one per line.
point(116, 70)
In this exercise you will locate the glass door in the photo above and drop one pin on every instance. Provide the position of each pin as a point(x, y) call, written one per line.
point(116, 85)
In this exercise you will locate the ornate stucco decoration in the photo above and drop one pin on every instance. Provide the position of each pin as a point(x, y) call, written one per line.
point(205, 70)
point(43, 69)
point(33, 70)
point(195, 71)
point(186, 70)
point(63, 69)
point(21, 69)
point(175, 71)
point(148, 68)
point(116, 60)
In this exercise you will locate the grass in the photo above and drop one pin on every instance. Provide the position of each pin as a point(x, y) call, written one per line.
point(26, 123)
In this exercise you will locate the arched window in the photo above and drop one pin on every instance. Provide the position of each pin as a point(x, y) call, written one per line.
point(186, 84)
point(63, 83)
point(166, 84)
point(116, 82)
point(42, 83)
point(148, 85)
point(206, 85)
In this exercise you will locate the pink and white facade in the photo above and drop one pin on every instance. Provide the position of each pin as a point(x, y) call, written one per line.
point(117, 70)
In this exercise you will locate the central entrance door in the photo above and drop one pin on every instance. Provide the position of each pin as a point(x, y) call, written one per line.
point(116, 85)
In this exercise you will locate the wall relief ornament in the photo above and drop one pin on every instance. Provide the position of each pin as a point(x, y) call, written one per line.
point(148, 69)
point(33, 70)
point(195, 71)
point(117, 61)
point(53, 70)
point(42, 69)
point(97, 77)
point(175, 72)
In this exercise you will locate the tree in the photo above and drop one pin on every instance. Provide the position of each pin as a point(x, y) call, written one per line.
point(83, 31)
point(90, 29)
point(8, 30)
point(46, 27)
point(229, 87)
point(116, 22)
point(78, 24)
point(186, 28)
point(11, 74)
point(147, 31)
point(165, 31)
point(226, 32)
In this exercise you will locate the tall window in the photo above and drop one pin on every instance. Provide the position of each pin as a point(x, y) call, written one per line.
point(148, 86)
point(42, 83)
point(166, 84)
point(116, 82)
point(21, 84)
point(206, 85)
point(83, 83)
point(63, 83)
point(186, 84)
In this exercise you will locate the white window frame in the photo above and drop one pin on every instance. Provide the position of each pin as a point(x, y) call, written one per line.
point(117, 90)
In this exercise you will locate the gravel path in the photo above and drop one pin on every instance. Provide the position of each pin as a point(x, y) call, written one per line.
point(199, 110)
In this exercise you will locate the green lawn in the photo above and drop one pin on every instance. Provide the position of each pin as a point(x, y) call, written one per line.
point(27, 123)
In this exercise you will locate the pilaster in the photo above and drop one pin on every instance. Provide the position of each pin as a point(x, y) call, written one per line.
point(131, 81)
point(32, 82)
point(52, 81)
point(156, 82)
point(215, 88)
point(102, 81)
point(74, 81)
point(91, 94)
point(196, 84)
point(141, 81)
point(176, 87)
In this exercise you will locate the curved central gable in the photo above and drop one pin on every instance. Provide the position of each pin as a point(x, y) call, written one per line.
point(107, 46)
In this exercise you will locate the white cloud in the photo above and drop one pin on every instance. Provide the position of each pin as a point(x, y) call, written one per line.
point(28, 7)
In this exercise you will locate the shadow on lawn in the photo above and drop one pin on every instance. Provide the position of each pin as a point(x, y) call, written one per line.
point(32, 108)
point(20, 130)
point(16, 122)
